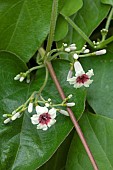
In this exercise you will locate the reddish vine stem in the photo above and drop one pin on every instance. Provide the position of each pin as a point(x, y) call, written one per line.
point(76, 125)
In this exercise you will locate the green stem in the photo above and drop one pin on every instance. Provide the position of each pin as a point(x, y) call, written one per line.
point(34, 68)
point(52, 25)
point(45, 82)
point(108, 23)
point(53, 51)
point(83, 35)
point(41, 52)
point(109, 19)
point(57, 54)
point(104, 43)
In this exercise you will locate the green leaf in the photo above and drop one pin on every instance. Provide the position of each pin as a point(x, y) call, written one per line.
point(22, 145)
point(99, 135)
point(58, 160)
point(71, 7)
point(87, 19)
point(61, 28)
point(100, 96)
point(24, 25)
point(110, 2)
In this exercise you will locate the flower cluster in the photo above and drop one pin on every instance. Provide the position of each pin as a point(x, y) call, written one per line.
point(44, 118)
point(69, 48)
point(23, 76)
point(46, 111)
point(81, 78)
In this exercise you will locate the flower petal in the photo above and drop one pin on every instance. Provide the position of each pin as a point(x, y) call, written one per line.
point(52, 121)
point(41, 110)
point(78, 67)
point(72, 80)
point(78, 85)
point(52, 112)
point(87, 83)
point(34, 119)
point(90, 73)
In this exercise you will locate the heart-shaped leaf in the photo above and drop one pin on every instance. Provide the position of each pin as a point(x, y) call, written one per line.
point(100, 96)
point(61, 29)
point(22, 145)
point(71, 7)
point(87, 19)
point(99, 135)
point(24, 25)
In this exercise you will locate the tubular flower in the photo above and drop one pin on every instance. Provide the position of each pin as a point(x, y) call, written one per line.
point(81, 78)
point(44, 118)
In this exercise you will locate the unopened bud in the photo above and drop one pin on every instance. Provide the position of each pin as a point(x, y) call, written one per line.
point(7, 120)
point(70, 96)
point(75, 56)
point(70, 104)
point(21, 79)
point(100, 52)
point(30, 107)
point(67, 49)
point(64, 112)
point(15, 116)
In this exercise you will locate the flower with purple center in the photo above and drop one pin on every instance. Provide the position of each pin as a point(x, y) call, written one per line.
point(44, 118)
point(81, 78)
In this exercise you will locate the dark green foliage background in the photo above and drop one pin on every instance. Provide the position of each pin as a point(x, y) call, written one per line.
point(24, 25)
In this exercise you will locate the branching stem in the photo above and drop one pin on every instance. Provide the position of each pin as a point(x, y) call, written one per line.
point(53, 75)
point(76, 125)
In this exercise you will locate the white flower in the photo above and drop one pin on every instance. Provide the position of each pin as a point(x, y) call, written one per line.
point(30, 107)
point(100, 52)
point(64, 112)
point(44, 118)
point(81, 78)
point(15, 116)
point(75, 56)
point(70, 104)
point(7, 120)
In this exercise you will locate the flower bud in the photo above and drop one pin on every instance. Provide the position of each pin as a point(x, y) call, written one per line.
point(70, 96)
point(64, 112)
point(47, 104)
point(70, 104)
point(4, 115)
point(67, 49)
point(86, 51)
point(17, 77)
point(30, 107)
point(15, 116)
point(21, 79)
point(75, 56)
point(100, 52)
point(7, 120)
